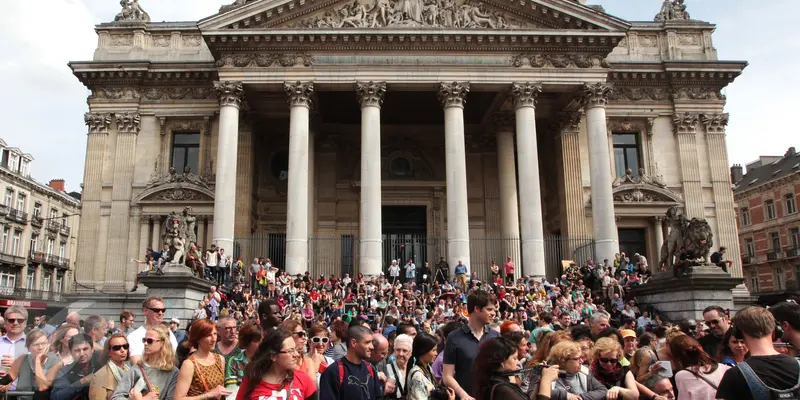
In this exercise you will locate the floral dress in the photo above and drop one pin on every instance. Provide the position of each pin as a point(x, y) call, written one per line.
point(420, 383)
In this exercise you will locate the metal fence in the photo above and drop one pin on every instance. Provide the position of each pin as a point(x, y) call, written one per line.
point(339, 255)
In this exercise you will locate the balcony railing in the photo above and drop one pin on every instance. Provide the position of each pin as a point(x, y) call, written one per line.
point(64, 230)
point(53, 226)
point(747, 260)
point(17, 215)
point(30, 294)
point(793, 252)
point(11, 259)
point(37, 256)
point(37, 221)
point(53, 260)
point(774, 255)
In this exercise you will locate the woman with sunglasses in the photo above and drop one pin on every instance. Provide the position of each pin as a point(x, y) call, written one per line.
point(114, 359)
point(156, 376)
point(606, 368)
point(300, 340)
point(272, 373)
point(29, 370)
point(249, 338)
point(203, 374)
point(317, 361)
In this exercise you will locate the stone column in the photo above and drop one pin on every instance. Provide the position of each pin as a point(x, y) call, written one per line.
point(532, 224)
point(573, 212)
point(230, 99)
point(201, 231)
point(507, 184)
point(658, 229)
point(453, 96)
point(144, 234)
point(209, 232)
point(595, 98)
point(686, 132)
point(300, 103)
point(370, 96)
point(156, 244)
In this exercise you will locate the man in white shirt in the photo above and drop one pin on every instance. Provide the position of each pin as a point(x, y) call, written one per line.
point(212, 262)
point(394, 271)
point(224, 269)
point(153, 309)
point(12, 344)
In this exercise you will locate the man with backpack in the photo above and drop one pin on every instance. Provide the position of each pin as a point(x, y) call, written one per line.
point(766, 374)
point(352, 377)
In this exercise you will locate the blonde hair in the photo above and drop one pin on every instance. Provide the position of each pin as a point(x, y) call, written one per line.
point(606, 345)
point(166, 357)
point(32, 336)
point(562, 352)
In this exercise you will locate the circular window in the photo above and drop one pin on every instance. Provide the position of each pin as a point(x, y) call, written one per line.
point(280, 165)
point(400, 167)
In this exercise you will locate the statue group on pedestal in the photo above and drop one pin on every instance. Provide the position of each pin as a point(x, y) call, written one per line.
point(688, 243)
point(179, 233)
point(672, 10)
point(131, 12)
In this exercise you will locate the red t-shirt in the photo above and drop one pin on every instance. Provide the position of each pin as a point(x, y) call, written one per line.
point(509, 267)
point(302, 388)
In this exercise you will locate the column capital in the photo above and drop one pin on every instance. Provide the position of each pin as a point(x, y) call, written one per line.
point(453, 94)
point(570, 122)
point(97, 123)
point(229, 93)
point(658, 219)
point(299, 93)
point(370, 94)
point(596, 94)
point(128, 122)
point(685, 123)
point(525, 93)
point(715, 123)
point(503, 121)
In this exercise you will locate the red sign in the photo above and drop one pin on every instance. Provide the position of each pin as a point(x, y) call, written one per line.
point(30, 305)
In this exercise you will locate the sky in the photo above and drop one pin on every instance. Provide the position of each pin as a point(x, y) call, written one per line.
point(43, 106)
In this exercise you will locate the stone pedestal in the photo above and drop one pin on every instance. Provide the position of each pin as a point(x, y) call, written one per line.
point(686, 297)
point(180, 289)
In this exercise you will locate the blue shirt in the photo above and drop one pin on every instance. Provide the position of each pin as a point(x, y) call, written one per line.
point(15, 348)
point(461, 269)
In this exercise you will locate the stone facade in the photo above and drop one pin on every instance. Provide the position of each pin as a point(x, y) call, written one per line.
point(309, 120)
point(38, 232)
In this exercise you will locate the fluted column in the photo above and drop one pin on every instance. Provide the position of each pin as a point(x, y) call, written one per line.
point(453, 96)
point(507, 179)
point(156, 244)
point(573, 220)
point(595, 97)
point(201, 231)
point(300, 102)
point(370, 96)
point(144, 234)
point(530, 193)
point(658, 229)
point(686, 133)
point(230, 99)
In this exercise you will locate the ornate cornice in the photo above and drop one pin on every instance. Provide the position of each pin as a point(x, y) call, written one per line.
point(264, 60)
point(97, 123)
point(128, 123)
point(564, 60)
point(453, 94)
point(715, 123)
point(503, 121)
point(639, 93)
point(524, 94)
point(626, 125)
point(299, 93)
point(698, 93)
point(229, 93)
point(370, 94)
point(685, 123)
point(596, 95)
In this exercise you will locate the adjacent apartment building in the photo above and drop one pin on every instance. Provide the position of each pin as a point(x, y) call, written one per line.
point(767, 193)
point(38, 229)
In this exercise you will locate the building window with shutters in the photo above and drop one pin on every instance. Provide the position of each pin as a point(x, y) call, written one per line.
point(791, 204)
point(752, 279)
point(745, 216)
point(771, 212)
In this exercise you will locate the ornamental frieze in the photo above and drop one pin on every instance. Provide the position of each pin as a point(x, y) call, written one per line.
point(698, 93)
point(265, 60)
point(115, 93)
point(627, 93)
point(179, 93)
point(559, 61)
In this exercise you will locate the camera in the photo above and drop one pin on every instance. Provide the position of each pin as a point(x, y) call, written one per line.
point(439, 393)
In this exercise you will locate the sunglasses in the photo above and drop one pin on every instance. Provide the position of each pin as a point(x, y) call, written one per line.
point(607, 360)
point(119, 347)
point(16, 320)
point(713, 322)
point(148, 340)
point(157, 310)
point(300, 334)
point(319, 339)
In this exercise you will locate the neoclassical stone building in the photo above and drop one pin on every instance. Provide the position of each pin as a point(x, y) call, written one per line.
point(341, 134)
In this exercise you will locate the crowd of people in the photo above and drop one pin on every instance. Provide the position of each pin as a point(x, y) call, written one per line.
point(405, 336)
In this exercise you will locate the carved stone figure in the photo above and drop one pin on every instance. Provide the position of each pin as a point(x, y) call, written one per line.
point(672, 10)
point(190, 221)
point(174, 236)
point(131, 12)
point(642, 178)
point(692, 238)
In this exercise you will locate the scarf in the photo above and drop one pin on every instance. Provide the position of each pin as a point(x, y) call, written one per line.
point(611, 378)
point(117, 370)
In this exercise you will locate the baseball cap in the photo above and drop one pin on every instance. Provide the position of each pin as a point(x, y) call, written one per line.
point(626, 333)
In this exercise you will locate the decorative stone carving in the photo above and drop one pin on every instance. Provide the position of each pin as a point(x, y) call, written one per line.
point(187, 177)
point(688, 39)
point(229, 93)
point(642, 178)
point(264, 60)
point(627, 93)
point(559, 61)
point(410, 13)
point(596, 95)
point(370, 93)
point(648, 41)
point(115, 93)
point(525, 94)
point(235, 4)
point(697, 93)
point(715, 123)
point(131, 12)
point(685, 123)
point(97, 123)
point(503, 121)
point(685, 236)
point(672, 10)
point(299, 93)
point(179, 93)
point(570, 122)
point(128, 123)
point(453, 94)
point(192, 41)
point(625, 126)
point(121, 40)
point(187, 126)
point(162, 41)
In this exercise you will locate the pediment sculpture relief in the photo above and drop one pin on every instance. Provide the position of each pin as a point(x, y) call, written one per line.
point(177, 187)
point(131, 12)
point(642, 178)
point(410, 13)
point(642, 188)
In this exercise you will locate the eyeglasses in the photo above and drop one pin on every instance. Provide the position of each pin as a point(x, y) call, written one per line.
point(229, 328)
point(319, 339)
point(290, 351)
point(300, 334)
point(119, 347)
point(148, 340)
point(16, 320)
point(714, 322)
point(40, 344)
point(157, 310)
point(607, 360)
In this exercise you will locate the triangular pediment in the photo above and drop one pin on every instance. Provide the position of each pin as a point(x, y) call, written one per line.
point(254, 15)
